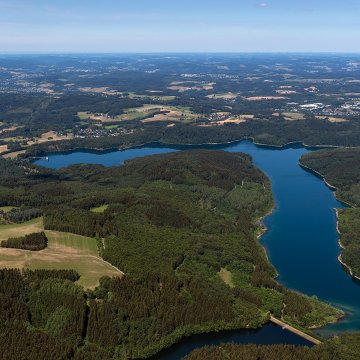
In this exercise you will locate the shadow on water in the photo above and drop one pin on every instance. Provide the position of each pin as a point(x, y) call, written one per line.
point(267, 335)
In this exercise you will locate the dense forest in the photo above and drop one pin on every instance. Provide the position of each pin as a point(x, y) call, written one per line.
point(172, 223)
point(341, 168)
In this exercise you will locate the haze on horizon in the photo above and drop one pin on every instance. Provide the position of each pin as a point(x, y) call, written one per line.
point(185, 26)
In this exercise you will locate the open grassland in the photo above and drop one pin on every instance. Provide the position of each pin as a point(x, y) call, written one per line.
point(3, 148)
point(11, 128)
point(14, 154)
point(332, 119)
point(291, 116)
point(103, 118)
point(235, 119)
point(262, 98)
point(50, 136)
point(6, 208)
point(226, 277)
point(142, 112)
point(99, 209)
point(173, 113)
point(64, 251)
point(44, 138)
point(232, 119)
point(99, 90)
point(16, 230)
point(224, 96)
point(154, 95)
point(145, 113)
point(182, 86)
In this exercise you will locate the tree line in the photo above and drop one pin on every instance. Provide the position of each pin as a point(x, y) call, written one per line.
point(33, 242)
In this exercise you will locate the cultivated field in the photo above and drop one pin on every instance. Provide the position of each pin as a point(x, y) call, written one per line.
point(332, 119)
point(262, 98)
point(16, 230)
point(99, 90)
point(153, 95)
point(182, 86)
point(50, 136)
point(45, 137)
point(14, 154)
point(103, 118)
point(225, 96)
point(291, 116)
point(64, 251)
point(6, 208)
point(146, 113)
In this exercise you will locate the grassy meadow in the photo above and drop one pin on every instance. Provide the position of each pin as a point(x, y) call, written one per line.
point(64, 251)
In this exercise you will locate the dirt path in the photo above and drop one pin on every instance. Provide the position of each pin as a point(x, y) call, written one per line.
point(295, 331)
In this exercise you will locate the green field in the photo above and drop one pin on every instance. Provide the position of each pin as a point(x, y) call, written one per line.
point(6, 208)
point(84, 115)
point(155, 96)
point(99, 209)
point(16, 230)
point(147, 112)
point(64, 251)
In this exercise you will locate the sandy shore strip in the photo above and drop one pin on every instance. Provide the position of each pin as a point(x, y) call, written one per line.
point(348, 268)
point(290, 328)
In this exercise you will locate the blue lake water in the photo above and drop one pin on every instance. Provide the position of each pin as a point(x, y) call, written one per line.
point(267, 335)
point(302, 242)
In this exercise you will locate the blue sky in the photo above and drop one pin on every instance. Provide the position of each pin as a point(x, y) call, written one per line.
point(179, 26)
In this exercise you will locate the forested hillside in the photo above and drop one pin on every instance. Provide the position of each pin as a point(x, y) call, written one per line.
point(341, 168)
point(173, 223)
point(278, 133)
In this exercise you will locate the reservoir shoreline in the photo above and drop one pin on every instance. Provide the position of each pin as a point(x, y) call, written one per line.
point(265, 165)
point(190, 145)
point(341, 246)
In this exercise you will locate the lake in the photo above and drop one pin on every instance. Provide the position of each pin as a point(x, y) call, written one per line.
point(301, 241)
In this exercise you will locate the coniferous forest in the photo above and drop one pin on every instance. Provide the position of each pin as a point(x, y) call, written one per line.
point(33, 242)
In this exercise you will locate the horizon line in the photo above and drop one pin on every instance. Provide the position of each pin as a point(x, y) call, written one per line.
point(173, 52)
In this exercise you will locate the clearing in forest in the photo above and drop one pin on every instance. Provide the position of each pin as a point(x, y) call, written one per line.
point(225, 96)
point(291, 116)
point(145, 113)
point(64, 251)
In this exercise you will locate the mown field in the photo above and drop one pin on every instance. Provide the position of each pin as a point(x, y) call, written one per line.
point(147, 113)
point(64, 251)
